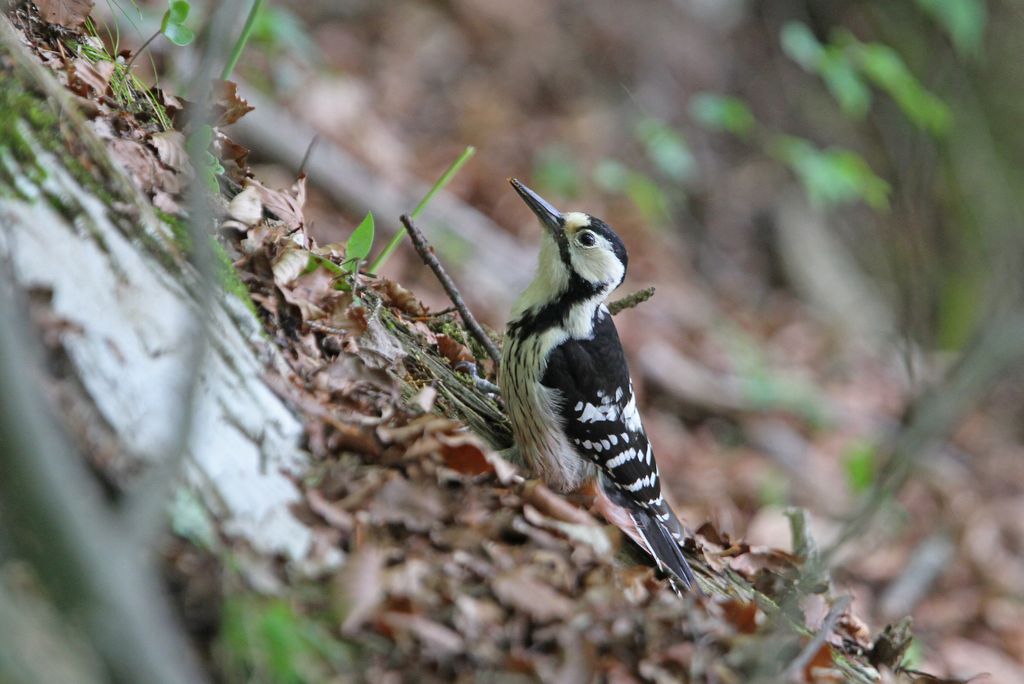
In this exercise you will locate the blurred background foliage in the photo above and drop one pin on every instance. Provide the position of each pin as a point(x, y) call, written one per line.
point(826, 193)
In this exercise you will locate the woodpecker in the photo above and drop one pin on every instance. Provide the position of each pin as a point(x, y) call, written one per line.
point(566, 383)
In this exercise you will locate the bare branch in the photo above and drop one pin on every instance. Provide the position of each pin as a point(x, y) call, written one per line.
point(793, 672)
point(631, 300)
point(426, 253)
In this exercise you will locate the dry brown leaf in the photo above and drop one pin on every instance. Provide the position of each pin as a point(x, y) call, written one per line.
point(228, 106)
point(286, 205)
point(416, 507)
point(246, 207)
point(819, 668)
point(289, 264)
point(454, 351)
point(463, 452)
point(335, 515)
point(434, 636)
point(170, 149)
point(228, 150)
point(67, 13)
point(84, 76)
point(519, 590)
point(378, 348)
point(555, 506)
point(743, 615)
point(401, 298)
point(138, 160)
point(359, 587)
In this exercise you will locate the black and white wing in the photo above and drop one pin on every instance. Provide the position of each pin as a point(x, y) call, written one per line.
point(599, 416)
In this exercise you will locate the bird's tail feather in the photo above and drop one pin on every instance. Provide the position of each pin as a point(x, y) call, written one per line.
point(664, 546)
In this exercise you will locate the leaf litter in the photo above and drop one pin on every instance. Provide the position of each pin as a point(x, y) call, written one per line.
point(456, 568)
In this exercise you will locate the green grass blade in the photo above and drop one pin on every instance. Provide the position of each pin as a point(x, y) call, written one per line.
point(239, 47)
point(445, 178)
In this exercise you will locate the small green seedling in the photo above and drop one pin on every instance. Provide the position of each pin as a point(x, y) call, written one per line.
point(358, 247)
point(172, 26)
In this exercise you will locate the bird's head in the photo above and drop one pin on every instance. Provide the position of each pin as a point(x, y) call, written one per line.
point(581, 256)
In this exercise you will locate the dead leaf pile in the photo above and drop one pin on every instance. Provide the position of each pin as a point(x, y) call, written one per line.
point(142, 126)
point(456, 569)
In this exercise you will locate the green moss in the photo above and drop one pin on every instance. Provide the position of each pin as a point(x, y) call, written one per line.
point(272, 640)
point(27, 118)
point(229, 278)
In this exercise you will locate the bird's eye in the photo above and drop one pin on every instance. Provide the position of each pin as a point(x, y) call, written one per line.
point(586, 239)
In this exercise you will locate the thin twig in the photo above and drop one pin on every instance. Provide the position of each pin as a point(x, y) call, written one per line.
point(631, 300)
point(426, 253)
point(309, 153)
point(812, 647)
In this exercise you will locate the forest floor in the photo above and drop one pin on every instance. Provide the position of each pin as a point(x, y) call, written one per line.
point(457, 568)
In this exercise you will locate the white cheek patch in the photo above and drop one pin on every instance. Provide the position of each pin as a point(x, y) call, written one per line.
point(597, 264)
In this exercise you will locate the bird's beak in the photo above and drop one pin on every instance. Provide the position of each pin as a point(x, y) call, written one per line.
point(548, 215)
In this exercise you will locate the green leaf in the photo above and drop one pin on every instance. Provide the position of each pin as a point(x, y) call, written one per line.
point(359, 243)
point(177, 12)
point(860, 464)
point(833, 176)
point(963, 20)
point(667, 149)
point(179, 35)
point(648, 198)
point(843, 81)
point(801, 45)
point(445, 178)
point(831, 63)
point(719, 112)
point(886, 69)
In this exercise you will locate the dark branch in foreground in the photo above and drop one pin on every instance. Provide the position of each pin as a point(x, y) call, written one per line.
point(426, 253)
point(631, 300)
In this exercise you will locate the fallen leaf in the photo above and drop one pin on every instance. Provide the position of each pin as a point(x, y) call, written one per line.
point(138, 160)
point(286, 205)
point(416, 507)
point(335, 515)
point(228, 106)
point(170, 149)
point(289, 264)
point(228, 150)
point(84, 76)
point(454, 351)
point(246, 207)
point(359, 589)
point(517, 589)
point(67, 13)
point(743, 615)
point(463, 452)
point(401, 298)
point(555, 506)
point(434, 636)
point(821, 660)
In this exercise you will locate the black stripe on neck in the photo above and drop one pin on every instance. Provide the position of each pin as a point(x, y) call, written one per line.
point(552, 314)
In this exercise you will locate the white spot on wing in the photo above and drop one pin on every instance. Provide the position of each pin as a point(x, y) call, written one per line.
point(641, 482)
point(627, 455)
point(630, 416)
